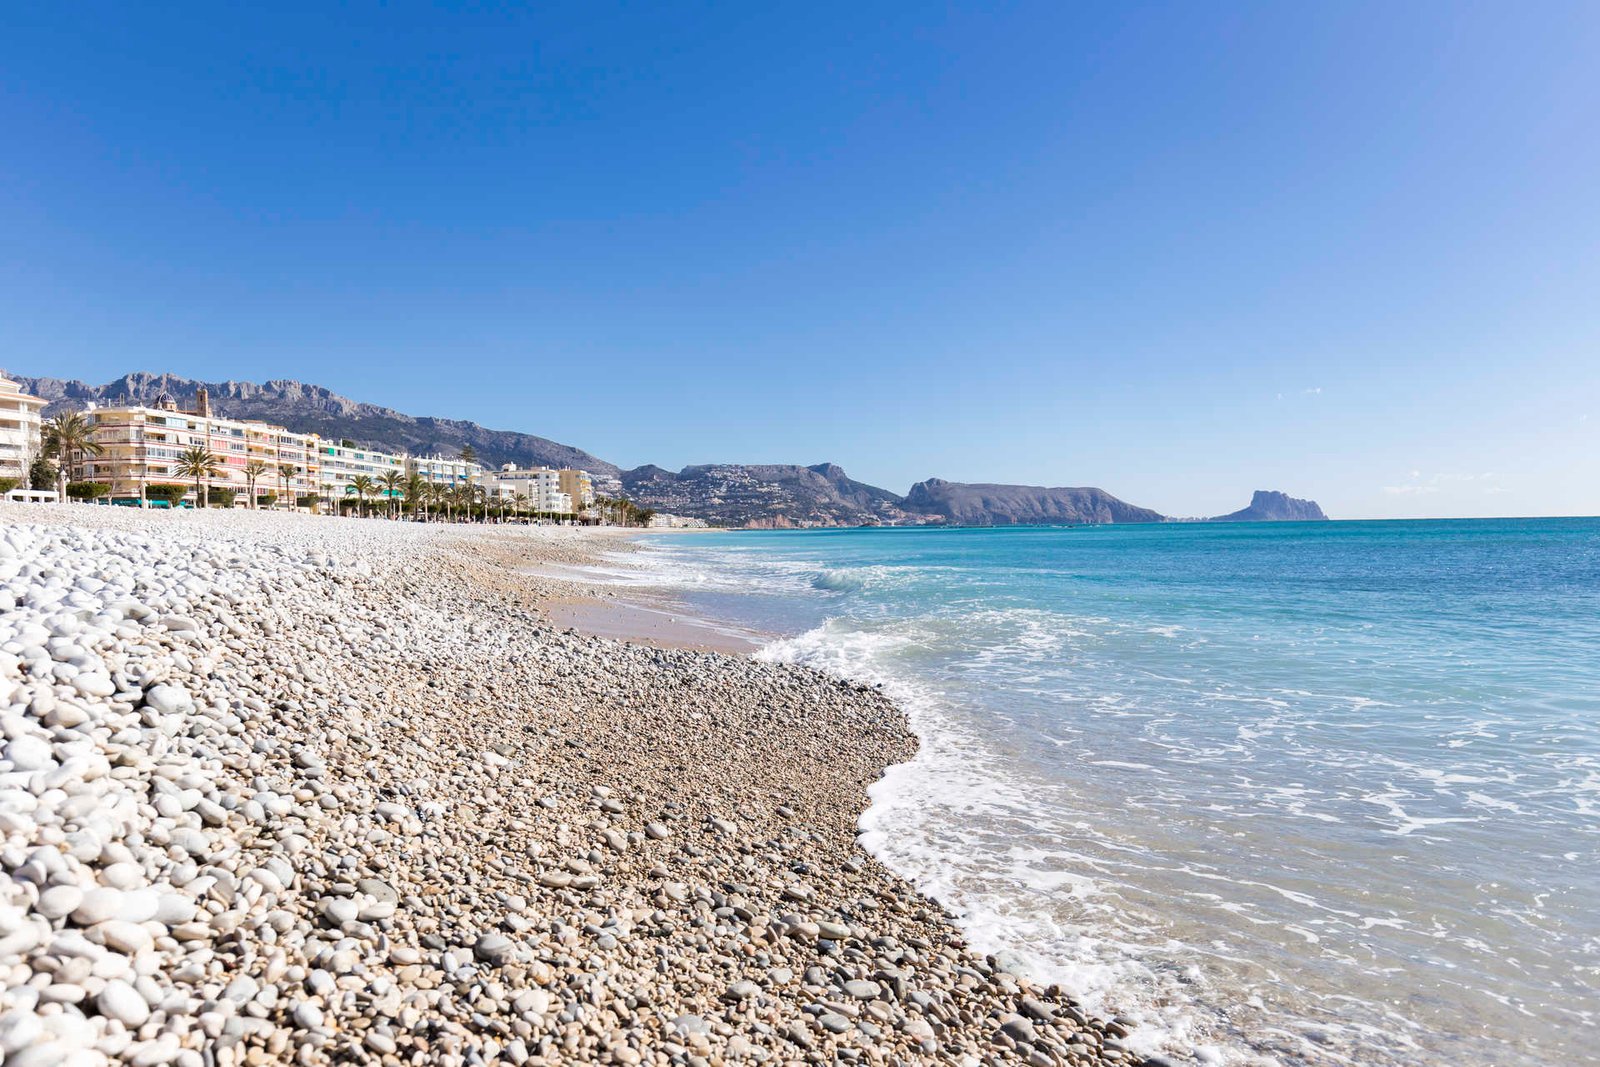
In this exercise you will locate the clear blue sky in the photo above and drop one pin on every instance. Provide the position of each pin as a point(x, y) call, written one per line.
point(1179, 251)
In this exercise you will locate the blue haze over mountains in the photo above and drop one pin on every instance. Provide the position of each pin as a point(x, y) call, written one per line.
point(734, 494)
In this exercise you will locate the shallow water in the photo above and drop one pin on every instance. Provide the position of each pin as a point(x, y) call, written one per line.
point(1293, 793)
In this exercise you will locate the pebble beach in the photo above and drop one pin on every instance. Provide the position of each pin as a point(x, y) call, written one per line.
point(286, 789)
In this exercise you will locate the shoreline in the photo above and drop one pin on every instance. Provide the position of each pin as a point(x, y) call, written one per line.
point(591, 598)
point(627, 618)
point(520, 842)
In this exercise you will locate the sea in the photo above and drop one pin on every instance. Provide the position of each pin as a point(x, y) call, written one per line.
point(1281, 793)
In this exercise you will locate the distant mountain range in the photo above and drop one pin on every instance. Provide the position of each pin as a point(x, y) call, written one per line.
point(730, 494)
point(313, 409)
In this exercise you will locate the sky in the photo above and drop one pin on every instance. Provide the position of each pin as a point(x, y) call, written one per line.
point(1179, 251)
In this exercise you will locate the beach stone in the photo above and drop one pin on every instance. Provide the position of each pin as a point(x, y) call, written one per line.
point(173, 909)
point(120, 1001)
point(379, 889)
point(1037, 1010)
point(336, 911)
point(495, 949)
point(742, 990)
point(28, 753)
point(532, 1002)
point(138, 905)
point(95, 684)
point(59, 901)
point(169, 699)
point(125, 937)
point(97, 905)
point(1018, 1029)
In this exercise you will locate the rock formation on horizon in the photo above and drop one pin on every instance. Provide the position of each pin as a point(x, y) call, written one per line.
point(1269, 505)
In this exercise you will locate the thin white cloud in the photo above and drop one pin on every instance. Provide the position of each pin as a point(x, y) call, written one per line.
point(1419, 485)
point(1315, 390)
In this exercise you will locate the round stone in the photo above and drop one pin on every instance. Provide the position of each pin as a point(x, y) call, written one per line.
point(336, 911)
point(97, 905)
point(29, 753)
point(493, 948)
point(120, 1001)
point(59, 901)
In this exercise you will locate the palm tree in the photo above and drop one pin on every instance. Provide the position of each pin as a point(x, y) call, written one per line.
point(519, 503)
point(416, 491)
point(198, 462)
point(253, 470)
point(362, 485)
point(69, 437)
point(287, 471)
point(392, 482)
point(465, 497)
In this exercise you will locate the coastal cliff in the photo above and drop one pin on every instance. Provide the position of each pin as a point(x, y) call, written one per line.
point(984, 504)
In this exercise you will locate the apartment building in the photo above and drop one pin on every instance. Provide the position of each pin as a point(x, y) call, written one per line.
point(342, 463)
point(539, 486)
point(444, 470)
point(578, 486)
point(140, 445)
point(19, 429)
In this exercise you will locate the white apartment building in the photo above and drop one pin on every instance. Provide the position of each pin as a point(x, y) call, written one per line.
point(19, 429)
point(341, 463)
point(444, 470)
point(540, 486)
point(658, 521)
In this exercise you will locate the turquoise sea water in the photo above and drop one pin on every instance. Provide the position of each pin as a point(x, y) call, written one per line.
point(1295, 793)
